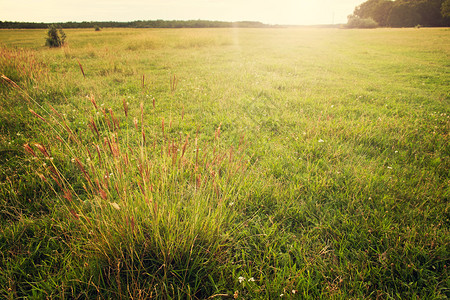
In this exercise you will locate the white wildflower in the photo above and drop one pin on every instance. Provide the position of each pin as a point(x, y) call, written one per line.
point(251, 279)
point(321, 141)
point(241, 279)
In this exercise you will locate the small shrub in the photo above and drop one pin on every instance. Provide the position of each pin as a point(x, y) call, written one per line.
point(357, 22)
point(97, 28)
point(56, 36)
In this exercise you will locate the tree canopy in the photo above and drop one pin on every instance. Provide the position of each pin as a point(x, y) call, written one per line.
point(405, 13)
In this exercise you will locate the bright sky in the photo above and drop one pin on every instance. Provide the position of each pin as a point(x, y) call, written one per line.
point(291, 12)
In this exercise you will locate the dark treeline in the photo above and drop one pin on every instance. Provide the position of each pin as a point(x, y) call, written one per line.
point(404, 13)
point(135, 24)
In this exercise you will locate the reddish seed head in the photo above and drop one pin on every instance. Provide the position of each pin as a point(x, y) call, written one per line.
point(42, 177)
point(74, 214)
point(92, 99)
point(199, 180)
point(125, 107)
point(102, 194)
point(29, 150)
point(67, 195)
point(37, 115)
point(218, 131)
point(81, 68)
point(185, 145)
point(42, 149)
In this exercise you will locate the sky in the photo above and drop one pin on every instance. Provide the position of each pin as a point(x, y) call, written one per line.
point(282, 12)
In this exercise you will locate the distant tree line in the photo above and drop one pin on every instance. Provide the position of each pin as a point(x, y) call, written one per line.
point(135, 24)
point(401, 13)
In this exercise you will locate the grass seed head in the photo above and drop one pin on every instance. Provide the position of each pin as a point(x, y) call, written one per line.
point(81, 68)
point(125, 107)
point(29, 150)
point(42, 149)
point(37, 115)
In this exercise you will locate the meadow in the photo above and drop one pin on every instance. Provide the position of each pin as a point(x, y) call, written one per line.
point(225, 163)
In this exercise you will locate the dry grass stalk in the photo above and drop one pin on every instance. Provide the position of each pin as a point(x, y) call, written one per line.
point(29, 150)
point(81, 68)
point(83, 170)
point(55, 111)
point(37, 115)
point(10, 82)
point(59, 139)
point(185, 145)
point(174, 153)
point(56, 180)
point(92, 99)
point(103, 194)
point(106, 142)
point(199, 180)
point(173, 83)
point(74, 214)
point(42, 149)
point(105, 114)
point(218, 131)
point(93, 127)
point(24, 93)
point(67, 195)
point(125, 107)
point(114, 119)
point(42, 177)
point(99, 154)
point(89, 153)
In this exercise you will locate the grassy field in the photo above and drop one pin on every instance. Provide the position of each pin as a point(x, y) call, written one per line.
point(225, 163)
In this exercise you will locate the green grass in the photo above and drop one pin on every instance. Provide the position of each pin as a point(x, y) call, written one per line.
point(255, 163)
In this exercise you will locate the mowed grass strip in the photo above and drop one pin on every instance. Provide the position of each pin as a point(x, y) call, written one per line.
point(253, 163)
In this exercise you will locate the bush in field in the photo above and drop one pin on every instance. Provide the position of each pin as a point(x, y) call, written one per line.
point(97, 28)
point(357, 22)
point(55, 36)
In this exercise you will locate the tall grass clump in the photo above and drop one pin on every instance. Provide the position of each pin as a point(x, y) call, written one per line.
point(22, 65)
point(152, 207)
